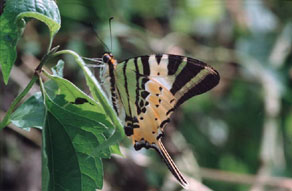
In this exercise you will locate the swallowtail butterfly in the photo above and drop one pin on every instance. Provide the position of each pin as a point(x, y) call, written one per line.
point(146, 90)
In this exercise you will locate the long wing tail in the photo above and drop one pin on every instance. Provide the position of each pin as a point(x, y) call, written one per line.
point(171, 165)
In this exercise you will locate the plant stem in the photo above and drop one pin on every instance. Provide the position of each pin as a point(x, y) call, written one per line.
point(6, 119)
point(50, 43)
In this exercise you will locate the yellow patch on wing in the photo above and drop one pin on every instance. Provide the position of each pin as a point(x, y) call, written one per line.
point(160, 102)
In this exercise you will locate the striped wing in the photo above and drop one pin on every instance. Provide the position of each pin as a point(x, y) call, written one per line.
point(154, 86)
point(151, 88)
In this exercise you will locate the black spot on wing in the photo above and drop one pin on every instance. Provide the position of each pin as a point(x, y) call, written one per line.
point(138, 146)
point(129, 130)
point(144, 109)
point(132, 122)
point(144, 94)
point(136, 126)
point(141, 104)
point(210, 81)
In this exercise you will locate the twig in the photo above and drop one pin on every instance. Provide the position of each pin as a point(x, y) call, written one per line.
point(231, 177)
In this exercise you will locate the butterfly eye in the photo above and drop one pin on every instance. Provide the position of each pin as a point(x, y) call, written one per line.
point(106, 58)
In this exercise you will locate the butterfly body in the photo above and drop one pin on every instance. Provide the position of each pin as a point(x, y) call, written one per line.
point(145, 91)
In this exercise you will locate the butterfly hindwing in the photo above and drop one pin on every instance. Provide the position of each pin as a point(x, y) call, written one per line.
point(146, 101)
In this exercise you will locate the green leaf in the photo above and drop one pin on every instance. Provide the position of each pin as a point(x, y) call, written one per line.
point(31, 113)
point(66, 95)
point(71, 141)
point(63, 168)
point(73, 99)
point(58, 69)
point(12, 23)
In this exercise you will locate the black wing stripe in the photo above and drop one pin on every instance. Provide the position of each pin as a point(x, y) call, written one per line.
point(188, 72)
point(145, 63)
point(210, 81)
point(173, 63)
point(158, 58)
point(163, 123)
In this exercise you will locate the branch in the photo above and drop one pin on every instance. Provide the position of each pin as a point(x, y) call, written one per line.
point(231, 177)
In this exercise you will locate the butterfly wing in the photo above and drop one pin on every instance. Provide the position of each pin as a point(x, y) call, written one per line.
point(151, 88)
point(183, 76)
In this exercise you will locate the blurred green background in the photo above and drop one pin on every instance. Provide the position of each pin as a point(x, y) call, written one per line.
point(242, 126)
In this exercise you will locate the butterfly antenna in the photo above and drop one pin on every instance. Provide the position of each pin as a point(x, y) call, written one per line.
point(171, 165)
point(98, 38)
point(110, 28)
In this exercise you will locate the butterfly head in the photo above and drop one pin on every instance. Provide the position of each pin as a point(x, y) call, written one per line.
point(108, 58)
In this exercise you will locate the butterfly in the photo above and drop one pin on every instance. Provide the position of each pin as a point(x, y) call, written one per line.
point(145, 91)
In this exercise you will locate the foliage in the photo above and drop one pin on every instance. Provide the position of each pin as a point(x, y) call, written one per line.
point(77, 133)
point(12, 23)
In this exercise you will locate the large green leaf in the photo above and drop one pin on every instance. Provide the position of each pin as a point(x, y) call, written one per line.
point(75, 127)
point(73, 99)
point(70, 144)
point(12, 23)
